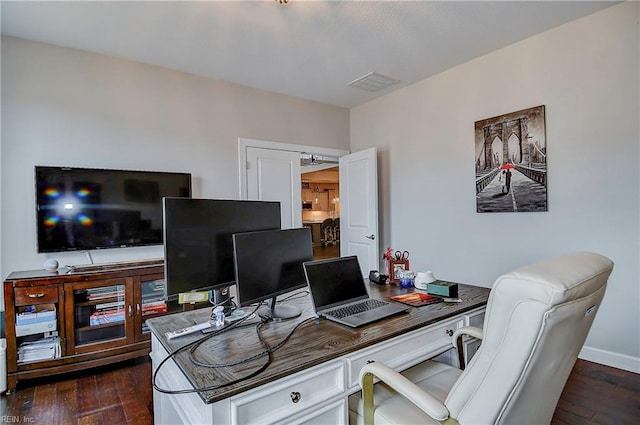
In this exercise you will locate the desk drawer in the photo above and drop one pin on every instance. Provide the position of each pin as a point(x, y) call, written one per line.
point(405, 351)
point(272, 403)
point(332, 414)
point(35, 295)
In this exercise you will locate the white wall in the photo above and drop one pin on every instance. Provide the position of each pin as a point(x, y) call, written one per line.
point(586, 73)
point(66, 107)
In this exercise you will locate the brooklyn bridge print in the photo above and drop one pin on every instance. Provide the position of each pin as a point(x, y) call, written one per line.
point(511, 162)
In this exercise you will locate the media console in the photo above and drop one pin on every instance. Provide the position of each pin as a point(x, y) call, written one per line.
point(60, 322)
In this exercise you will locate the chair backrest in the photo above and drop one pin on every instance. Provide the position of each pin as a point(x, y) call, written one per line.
point(326, 223)
point(536, 322)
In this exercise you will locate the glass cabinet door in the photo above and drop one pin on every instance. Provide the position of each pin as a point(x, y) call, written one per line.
point(100, 313)
point(153, 300)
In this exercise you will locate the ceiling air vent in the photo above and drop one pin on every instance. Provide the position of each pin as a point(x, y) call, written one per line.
point(373, 82)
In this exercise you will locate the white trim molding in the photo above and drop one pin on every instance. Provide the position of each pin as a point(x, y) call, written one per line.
point(609, 358)
point(243, 143)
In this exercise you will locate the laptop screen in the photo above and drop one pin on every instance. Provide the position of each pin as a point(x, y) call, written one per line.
point(335, 281)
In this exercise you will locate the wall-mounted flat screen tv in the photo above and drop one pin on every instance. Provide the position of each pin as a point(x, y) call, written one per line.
point(87, 209)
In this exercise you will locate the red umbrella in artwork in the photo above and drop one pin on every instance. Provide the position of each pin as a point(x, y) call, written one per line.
point(507, 166)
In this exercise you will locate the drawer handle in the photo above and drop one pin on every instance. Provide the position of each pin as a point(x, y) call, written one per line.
point(449, 332)
point(40, 295)
point(295, 396)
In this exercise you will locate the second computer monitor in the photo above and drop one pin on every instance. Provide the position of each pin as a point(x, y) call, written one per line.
point(268, 264)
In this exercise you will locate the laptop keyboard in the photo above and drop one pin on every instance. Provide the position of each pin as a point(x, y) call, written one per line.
point(350, 310)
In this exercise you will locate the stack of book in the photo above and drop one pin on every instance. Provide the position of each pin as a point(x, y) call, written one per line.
point(109, 311)
point(39, 349)
point(103, 292)
point(154, 297)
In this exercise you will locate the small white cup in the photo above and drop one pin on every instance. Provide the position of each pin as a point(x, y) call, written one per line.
point(423, 278)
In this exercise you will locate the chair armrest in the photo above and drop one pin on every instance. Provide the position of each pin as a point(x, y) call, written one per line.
point(466, 330)
point(424, 401)
point(456, 340)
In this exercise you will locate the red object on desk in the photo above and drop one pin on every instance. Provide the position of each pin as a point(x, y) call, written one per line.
point(416, 299)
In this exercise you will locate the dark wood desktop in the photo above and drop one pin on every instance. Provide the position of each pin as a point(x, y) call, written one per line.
point(315, 342)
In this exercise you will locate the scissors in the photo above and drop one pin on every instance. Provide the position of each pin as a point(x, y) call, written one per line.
point(404, 255)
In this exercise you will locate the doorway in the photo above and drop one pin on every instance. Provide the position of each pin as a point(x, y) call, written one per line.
point(320, 181)
point(271, 171)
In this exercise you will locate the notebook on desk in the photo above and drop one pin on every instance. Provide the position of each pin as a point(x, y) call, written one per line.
point(339, 293)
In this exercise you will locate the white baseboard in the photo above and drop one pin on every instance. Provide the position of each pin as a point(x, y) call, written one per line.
point(609, 358)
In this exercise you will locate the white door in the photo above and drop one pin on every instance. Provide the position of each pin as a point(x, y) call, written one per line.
point(274, 175)
point(359, 208)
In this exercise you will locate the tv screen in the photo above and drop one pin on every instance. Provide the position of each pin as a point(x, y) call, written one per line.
point(198, 249)
point(86, 208)
point(268, 264)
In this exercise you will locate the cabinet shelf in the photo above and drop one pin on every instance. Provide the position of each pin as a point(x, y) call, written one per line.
point(100, 326)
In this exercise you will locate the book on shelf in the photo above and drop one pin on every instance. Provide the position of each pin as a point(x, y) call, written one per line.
point(153, 303)
point(103, 317)
point(104, 292)
point(105, 295)
point(110, 305)
point(155, 298)
point(154, 290)
point(104, 289)
point(157, 309)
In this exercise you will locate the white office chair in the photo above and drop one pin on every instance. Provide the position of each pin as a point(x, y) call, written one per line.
point(536, 322)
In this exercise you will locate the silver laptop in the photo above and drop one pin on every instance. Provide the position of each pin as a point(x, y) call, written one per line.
point(339, 293)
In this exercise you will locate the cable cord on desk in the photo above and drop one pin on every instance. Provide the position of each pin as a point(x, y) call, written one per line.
point(268, 350)
point(295, 296)
point(189, 345)
point(195, 344)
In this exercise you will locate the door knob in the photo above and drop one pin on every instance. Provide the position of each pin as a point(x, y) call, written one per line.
point(372, 237)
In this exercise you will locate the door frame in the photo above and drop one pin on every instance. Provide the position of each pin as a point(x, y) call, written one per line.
point(244, 143)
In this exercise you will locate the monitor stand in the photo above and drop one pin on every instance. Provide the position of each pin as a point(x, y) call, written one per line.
point(222, 297)
point(279, 312)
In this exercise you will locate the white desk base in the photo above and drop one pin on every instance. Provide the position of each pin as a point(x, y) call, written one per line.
point(314, 396)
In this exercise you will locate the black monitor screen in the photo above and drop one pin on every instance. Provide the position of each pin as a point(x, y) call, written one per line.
point(270, 263)
point(86, 208)
point(198, 249)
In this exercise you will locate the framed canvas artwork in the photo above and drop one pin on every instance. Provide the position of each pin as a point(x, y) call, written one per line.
point(511, 162)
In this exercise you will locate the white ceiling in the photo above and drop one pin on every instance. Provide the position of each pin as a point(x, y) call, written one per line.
point(306, 49)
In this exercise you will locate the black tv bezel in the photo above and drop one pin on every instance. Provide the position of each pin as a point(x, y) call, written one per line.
point(40, 250)
point(297, 232)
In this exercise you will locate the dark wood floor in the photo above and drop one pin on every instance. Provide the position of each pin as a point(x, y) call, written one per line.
point(597, 394)
point(116, 394)
point(329, 251)
point(121, 394)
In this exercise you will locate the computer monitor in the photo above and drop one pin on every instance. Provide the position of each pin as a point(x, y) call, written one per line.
point(198, 245)
point(268, 264)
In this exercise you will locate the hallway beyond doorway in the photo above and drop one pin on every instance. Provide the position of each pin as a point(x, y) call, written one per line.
point(329, 251)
